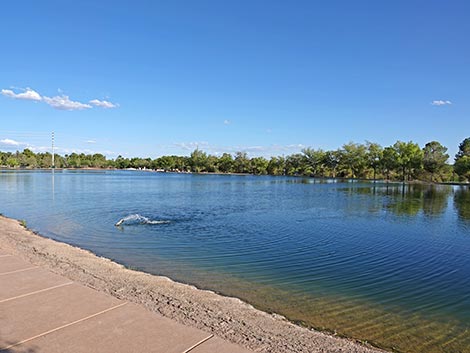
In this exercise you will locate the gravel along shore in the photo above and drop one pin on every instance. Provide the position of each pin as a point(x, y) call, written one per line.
point(226, 317)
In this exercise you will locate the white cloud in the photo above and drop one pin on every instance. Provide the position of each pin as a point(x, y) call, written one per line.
point(28, 94)
point(103, 104)
point(9, 142)
point(441, 102)
point(253, 151)
point(191, 146)
point(64, 151)
point(63, 102)
point(90, 141)
point(227, 122)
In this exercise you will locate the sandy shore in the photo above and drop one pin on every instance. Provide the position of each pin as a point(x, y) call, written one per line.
point(229, 318)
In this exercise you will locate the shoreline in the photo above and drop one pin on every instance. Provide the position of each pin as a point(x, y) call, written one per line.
point(227, 317)
point(383, 181)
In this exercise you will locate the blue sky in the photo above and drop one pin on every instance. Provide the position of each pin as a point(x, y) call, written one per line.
point(149, 78)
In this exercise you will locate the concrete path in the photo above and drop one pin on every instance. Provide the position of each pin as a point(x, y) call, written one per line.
point(43, 312)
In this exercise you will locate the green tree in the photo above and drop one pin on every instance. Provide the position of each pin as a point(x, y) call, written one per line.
point(44, 160)
point(85, 160)
point(462, 160)
point(410, 158)
point(354, 159)
point(331, 160)
point(121, 162)
point(98, 160)
point(374, 156)
point(212, 164)
point(434, 157)
point(241, 163)
point(259, 165)
point(225, 163)
point(198, 161)
point(464, 149)
point(313, 160)
point(140, 163)
point(295, 164)
point(3, 158)
point(72, 160)
point(167, 163)
point(277, 166)
point(12, 162)
point(389, 161)
point(182, 163)
point(28, 159)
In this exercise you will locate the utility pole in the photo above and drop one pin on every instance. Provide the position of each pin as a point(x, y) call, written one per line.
point(53, 162)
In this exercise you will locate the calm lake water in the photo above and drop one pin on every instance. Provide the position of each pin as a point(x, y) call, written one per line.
point(384, 263)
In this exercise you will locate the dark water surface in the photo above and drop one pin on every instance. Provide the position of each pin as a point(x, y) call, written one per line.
point(384, 263)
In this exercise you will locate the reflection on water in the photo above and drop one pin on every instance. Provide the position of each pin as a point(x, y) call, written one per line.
point(413, 199)
point(462, 203)
point(53, 184)
point(386, 263)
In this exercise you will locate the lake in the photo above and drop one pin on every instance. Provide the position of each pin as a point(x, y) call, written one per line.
point(383, 263)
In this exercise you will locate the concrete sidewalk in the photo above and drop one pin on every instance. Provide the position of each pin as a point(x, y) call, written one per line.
point(43, 312)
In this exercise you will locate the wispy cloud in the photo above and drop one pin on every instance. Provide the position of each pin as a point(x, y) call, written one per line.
point(28, 94)
point(64, 150)
point(63, 102)
point(191, 146)
point(227, 122)
point(103, 104)
point(265, 151)
point(9, 142)
point(441, 102)
point(60, 102)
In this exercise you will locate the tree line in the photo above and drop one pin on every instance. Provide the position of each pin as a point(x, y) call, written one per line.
point(404, 161)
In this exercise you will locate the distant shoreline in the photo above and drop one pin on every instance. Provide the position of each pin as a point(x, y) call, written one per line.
point(410, 182)
point(227, 317)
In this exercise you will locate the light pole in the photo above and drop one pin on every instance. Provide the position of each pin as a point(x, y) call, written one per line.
point(53, 159)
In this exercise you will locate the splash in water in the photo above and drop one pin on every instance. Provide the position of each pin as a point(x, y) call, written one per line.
point(134, 219)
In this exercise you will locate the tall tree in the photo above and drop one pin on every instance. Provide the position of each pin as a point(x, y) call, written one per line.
point(198, 161)
point(241, 163)
point(462, 160)
point(295, 164)
point(374, 155)
point(259, 165)
point(225, 163)
point(163, 163)
point(313, 160)
point(389, 161)
point(331, 160)
point(434, 157)
point(464, 149)
point(120, 162)
point(354, 159)
point(410, 158)
point(212, 164)
point(98, 160)
point(277, 166)
point(28, 159)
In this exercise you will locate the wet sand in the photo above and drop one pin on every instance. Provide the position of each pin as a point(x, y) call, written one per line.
point(226, 317)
